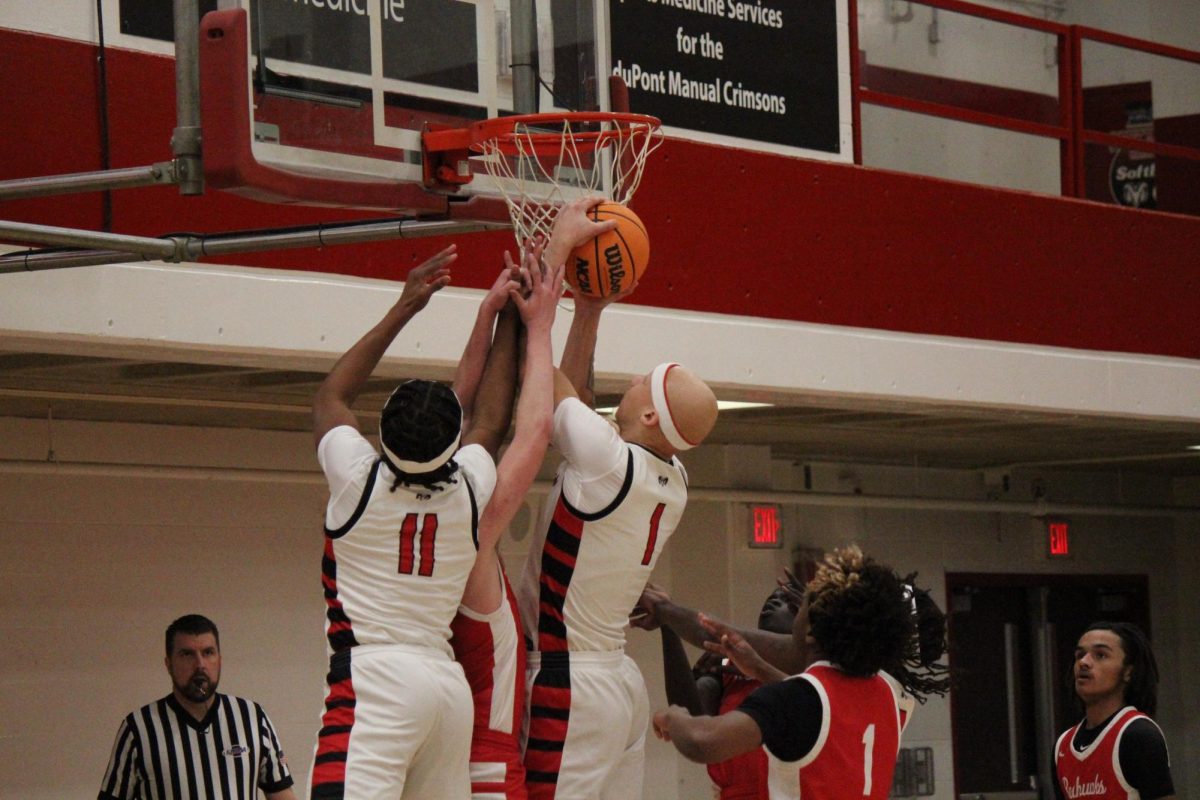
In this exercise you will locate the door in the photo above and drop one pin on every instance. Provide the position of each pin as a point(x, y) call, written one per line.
point(1012, 641)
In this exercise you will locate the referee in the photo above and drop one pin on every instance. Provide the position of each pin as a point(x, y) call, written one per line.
point(195, 744)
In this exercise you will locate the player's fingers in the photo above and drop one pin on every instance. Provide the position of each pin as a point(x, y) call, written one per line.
point(440, 259)
point(556, 280)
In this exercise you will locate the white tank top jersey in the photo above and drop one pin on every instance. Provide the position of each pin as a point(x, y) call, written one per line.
point(396, 563)
point(612, 509)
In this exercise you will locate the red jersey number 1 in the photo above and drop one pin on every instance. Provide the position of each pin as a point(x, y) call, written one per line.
point(653, 538)
point(408, 544)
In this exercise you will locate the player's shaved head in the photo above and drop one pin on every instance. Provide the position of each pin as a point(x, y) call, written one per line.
point(691, 406)
point(668, 410)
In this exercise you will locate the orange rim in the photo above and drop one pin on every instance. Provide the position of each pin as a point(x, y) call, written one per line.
point(500, 133)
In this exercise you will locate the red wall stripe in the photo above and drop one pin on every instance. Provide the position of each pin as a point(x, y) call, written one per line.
point(732, 231)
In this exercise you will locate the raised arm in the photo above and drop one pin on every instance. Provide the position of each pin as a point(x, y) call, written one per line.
point(777, 649)
point(335, 396)
point(494, 402)
point(476, 358)
point(534, 423)
point(571, 229)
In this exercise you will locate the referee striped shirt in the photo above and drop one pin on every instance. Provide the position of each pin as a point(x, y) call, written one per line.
point(163, 753)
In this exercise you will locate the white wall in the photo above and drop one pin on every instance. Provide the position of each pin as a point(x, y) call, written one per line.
point(975, 50)
point(94, 565)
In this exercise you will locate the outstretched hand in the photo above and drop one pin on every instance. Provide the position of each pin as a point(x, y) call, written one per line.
point(545, 288)
point(645, 615)
point(710, 663)
point(498, 295)
point(792, 586)
point(425, 280)
point(797, 594)
point(573, 227)
point(730, 644)
point(662, 721)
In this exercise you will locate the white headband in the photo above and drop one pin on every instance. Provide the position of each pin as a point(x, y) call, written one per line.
point(418, 467)
point(662, 405)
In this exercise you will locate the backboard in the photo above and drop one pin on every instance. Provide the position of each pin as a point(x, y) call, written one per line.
point(341, 90)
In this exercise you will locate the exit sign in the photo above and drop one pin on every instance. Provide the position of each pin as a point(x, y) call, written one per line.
point(1058, 538)
point(766, 526)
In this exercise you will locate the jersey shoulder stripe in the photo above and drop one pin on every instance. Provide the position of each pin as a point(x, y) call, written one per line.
point(362, 503)
point(474, 511)
point(611, 507)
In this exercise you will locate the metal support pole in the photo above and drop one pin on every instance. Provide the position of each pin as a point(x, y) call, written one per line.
point(191, 248)
point(38, 260)
point(71, 237)
point(185, 139)
point(322, 236)
point(523, 26)
point(129, 177)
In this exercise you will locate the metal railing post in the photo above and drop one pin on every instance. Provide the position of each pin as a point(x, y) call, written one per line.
point(185, 139)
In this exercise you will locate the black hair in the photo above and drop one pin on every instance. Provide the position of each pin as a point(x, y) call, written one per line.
point(191, 625)
point(865, 618)
point(1141, 691)
point(919, 671)
point(419, 422)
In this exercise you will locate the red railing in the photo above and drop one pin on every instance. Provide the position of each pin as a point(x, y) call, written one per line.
point(1073, 137)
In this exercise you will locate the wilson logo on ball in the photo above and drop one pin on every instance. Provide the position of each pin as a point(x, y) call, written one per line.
point(615, 260)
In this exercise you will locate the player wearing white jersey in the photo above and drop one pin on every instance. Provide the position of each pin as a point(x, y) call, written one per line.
point(487, 636)
point(618, 495)
point(401, 533)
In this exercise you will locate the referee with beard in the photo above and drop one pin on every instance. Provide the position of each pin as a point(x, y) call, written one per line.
point(194, 743)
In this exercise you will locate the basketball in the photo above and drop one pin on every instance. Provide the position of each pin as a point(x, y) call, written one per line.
point(613, 261)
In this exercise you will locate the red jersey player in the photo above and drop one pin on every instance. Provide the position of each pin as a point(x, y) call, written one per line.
point(838, 723)
point(1116, 751)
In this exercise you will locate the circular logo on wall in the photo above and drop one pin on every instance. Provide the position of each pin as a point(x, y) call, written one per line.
point(1131, 179)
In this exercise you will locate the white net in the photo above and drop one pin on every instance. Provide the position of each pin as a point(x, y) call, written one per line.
point(599, 155)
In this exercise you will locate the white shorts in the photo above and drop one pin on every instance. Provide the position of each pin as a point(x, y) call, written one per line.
point(397, 724)
point(585, 727)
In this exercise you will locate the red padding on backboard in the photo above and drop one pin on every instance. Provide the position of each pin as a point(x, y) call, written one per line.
point(229, 161)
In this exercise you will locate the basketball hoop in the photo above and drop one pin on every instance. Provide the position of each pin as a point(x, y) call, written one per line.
point(540, 161)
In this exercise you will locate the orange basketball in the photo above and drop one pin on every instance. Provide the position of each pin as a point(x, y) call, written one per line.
point(613, 261)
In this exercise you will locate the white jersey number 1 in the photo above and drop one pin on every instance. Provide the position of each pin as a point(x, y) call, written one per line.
point(868, 741)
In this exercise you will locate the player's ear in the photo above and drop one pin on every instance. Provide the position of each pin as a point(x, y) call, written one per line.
point(649, 417)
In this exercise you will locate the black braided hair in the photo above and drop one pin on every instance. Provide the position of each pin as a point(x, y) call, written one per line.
point(861, 615)
point(421, 420)
point(918, 670)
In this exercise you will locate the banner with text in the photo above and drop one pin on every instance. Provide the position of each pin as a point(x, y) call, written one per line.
point(766, 71)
